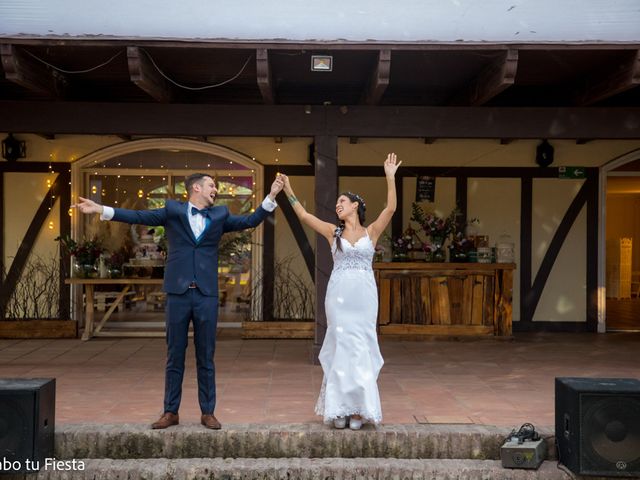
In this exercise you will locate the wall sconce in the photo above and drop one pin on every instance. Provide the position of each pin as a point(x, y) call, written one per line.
point(321, 63)
point(544, 154)
point(13, 149)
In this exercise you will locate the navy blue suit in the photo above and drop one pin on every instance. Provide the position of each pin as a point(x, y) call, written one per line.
point(191, 260)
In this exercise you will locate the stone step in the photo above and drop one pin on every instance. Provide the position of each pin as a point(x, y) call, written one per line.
point(294, 468)
point(128, 441)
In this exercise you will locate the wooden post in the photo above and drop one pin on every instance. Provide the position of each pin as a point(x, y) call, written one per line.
point(326, 192)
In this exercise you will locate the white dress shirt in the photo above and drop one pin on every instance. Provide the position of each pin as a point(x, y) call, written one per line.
point(198, 222)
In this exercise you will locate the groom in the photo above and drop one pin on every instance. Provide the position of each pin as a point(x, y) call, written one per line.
point(193, 229)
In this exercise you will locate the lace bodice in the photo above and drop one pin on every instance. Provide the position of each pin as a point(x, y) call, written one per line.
point(357, 256)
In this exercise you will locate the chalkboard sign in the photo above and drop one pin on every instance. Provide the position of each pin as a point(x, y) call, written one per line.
point(425, 189)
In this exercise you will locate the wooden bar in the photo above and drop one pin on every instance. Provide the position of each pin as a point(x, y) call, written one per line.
point(445, 298)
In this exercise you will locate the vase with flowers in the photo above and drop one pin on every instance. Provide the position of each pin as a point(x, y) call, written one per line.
point(436, 229)
point(85, 255)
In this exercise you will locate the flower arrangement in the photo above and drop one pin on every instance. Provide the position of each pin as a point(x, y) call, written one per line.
point(85, 254)
point(434, 227)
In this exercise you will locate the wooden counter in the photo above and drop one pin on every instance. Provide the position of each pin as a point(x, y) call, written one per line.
point(420, 298)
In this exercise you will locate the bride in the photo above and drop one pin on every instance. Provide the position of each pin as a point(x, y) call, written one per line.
point(350, 356)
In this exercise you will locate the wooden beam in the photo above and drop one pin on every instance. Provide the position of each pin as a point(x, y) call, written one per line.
point(553, 251)
point(379, 79)
point(492, 81)
point(27, 72)
point(263, 72)
point(627, 76)
point(290, 120)
point(591, 257)
point(24, 250)
point(298, 233)
point(268, 251)
point(526, 253)
point(326, 192)
point(146, 76)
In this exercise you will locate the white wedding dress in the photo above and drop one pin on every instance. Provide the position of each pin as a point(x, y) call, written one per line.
point(350, 356)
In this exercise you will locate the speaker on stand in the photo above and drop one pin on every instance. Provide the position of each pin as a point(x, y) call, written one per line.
point(27, 422)
point(598, 425)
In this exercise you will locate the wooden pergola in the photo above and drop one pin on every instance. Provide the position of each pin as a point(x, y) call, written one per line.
point(578, 91)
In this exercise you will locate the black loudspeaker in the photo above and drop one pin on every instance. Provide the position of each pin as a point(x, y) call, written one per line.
point(27, 423)
point(598, 425)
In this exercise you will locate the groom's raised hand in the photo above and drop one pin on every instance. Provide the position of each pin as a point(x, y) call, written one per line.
point(276, 187)
point(87, 206)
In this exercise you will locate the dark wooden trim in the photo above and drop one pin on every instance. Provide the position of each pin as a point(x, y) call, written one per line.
point(25, 71)
point(146, 76)
point(34, 167)
point(412, 171)
point(396, 220)
point(299, 234)
point(24, 250)
point(593, 184)
point(268, 251)
point(627, 76)
point(379, 79)
point(526, 229)
point(492, 81)
point(461, 200)
point(64, 195)
point(326, 192)
point(263, 74)
point(537, 326)
point(291, 120)
point(554, 249)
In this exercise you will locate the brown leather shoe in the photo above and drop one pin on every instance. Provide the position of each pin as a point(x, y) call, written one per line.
point(210, 421)
point(166, 420)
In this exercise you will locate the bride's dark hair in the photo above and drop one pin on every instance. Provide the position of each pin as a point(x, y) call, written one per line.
point(362, 207)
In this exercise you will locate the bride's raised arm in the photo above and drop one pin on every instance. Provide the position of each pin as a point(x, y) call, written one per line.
point(376, 228)
point(325, 229)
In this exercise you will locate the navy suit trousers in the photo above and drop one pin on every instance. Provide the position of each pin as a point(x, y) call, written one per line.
point(202, 310)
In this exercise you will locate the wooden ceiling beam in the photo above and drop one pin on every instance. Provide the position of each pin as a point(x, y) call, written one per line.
point(22, 69)
point(379, 79)
point(624, 78)
point(291, 121)
point(263, 71)
point(492, 81)
point(146, 76)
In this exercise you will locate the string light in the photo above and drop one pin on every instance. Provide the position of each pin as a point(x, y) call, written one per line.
point(94, 189)
point(140, 193)
point(51, 225)
point(70, 212)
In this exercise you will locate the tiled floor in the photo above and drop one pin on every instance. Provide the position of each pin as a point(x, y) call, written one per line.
point(488, 382)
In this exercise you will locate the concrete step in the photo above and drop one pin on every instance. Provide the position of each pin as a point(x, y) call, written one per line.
point(296, 468)
point(128, 441)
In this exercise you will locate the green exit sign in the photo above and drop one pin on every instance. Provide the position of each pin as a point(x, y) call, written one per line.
point(572, 172)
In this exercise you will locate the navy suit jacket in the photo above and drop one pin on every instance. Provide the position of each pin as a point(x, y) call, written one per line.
point(190, 259)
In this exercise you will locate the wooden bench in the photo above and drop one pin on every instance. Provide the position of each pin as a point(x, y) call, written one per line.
point(156, 301)
point(103, 300)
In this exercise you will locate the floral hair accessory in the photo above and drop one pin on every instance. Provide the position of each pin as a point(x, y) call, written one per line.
point(338, 232)
point(358, 199)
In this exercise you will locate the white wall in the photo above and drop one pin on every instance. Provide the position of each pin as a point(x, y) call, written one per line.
point(337, 20)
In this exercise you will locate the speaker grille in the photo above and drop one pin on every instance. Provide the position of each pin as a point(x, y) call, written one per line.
point(610, 434)
point(16, 427)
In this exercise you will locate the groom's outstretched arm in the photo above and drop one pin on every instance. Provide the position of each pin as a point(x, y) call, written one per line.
point(141, 217)
point(233, 223)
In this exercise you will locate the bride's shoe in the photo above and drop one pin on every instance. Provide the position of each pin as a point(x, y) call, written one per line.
point(355, 423)
point(340, 422)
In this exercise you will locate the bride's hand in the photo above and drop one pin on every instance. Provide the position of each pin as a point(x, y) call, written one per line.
point(391, 164)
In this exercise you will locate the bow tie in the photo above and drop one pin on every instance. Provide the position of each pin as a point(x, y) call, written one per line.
point(203, 212)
